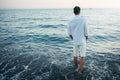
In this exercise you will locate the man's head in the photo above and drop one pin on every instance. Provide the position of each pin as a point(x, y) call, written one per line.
point(76, 10)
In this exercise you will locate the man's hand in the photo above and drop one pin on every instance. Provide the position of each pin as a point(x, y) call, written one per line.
point(86, 38)
point(71, 37)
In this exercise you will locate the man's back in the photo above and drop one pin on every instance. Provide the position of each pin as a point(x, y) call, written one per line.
point(78, 29)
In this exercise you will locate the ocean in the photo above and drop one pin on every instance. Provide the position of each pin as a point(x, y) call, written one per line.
point(34, 45)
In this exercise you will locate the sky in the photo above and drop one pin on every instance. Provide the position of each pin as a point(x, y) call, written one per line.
point(15, 4)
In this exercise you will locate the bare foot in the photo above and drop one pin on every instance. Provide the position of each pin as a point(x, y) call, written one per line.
point(79, 71)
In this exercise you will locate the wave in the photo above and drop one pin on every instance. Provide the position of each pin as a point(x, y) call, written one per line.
point(51, 26)
point(99, 38)
point(34, 19)
point(51, 39)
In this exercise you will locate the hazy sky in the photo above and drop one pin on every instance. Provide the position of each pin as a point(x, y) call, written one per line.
point(59, 3)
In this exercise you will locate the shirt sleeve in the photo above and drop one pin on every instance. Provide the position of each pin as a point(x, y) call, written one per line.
point(69, 30)
point(85, 29)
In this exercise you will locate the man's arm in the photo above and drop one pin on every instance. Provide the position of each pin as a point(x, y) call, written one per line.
point(70, 32)
point(86, 31)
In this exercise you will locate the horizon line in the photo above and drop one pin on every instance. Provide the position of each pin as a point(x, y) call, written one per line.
point(59, 8)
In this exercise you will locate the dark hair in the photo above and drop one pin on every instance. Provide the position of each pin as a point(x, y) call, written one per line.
point(76, 10)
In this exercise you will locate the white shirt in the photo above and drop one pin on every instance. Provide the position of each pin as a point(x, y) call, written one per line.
point(78, 29)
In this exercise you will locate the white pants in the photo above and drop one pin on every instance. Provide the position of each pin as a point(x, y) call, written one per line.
point(79, 50)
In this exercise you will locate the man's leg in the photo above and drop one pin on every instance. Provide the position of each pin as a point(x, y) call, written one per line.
point(75, 55)
point(75, 61)
point(82, 60)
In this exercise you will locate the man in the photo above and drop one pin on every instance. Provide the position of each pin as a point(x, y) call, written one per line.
point(78, 32)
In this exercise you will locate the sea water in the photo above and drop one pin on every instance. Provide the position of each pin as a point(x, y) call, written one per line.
point(34, 45)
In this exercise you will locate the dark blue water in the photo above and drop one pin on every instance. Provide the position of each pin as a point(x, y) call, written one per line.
point(34, 45)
